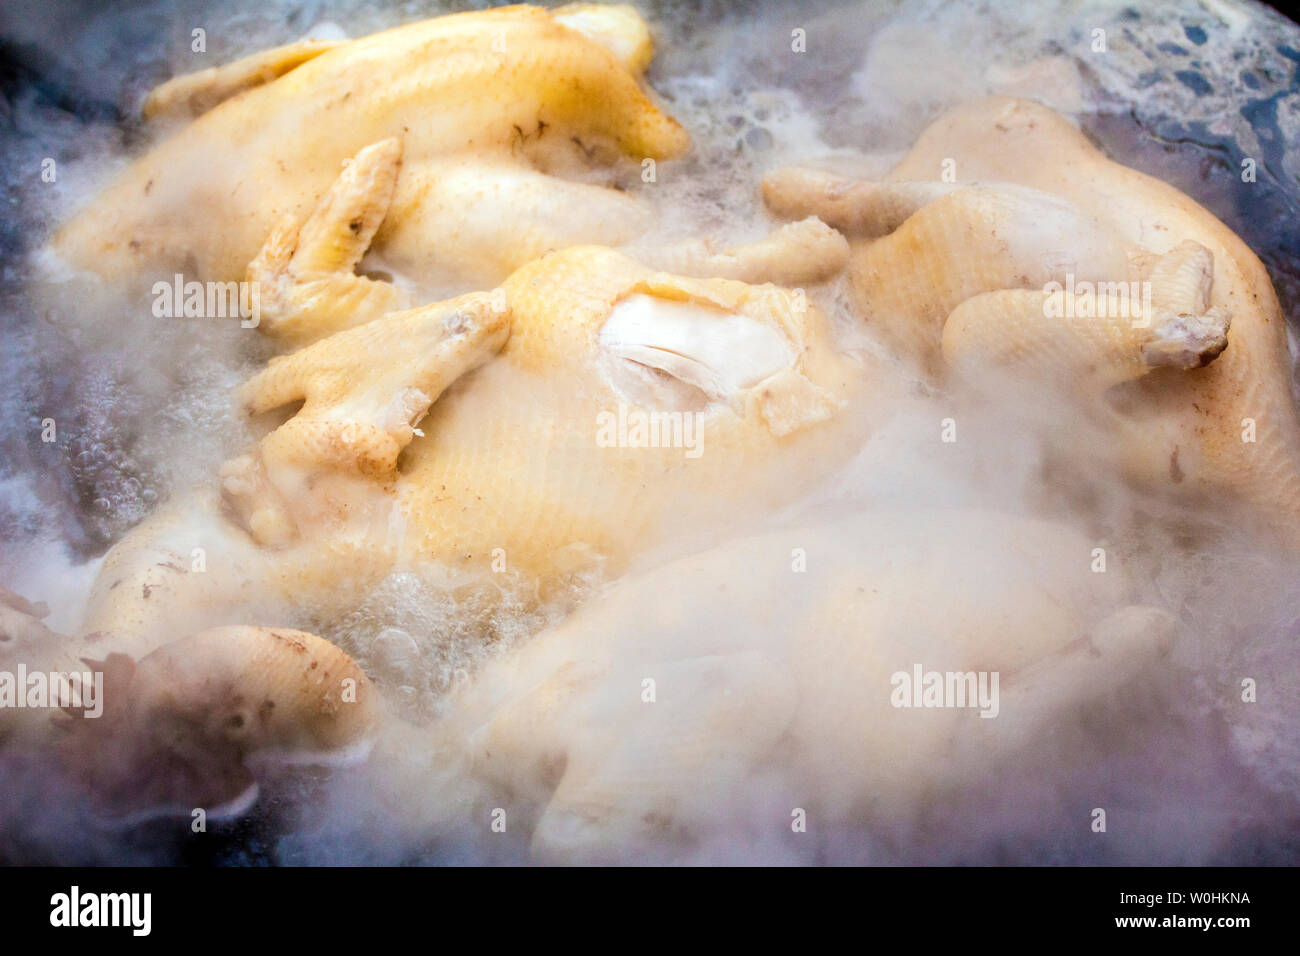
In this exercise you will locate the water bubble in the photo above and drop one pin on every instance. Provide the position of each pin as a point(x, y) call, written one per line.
point(758, 138)
point(394, 651)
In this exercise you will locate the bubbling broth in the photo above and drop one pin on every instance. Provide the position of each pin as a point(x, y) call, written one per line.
point(1197, 758)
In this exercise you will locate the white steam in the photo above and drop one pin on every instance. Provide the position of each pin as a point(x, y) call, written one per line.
point(1189, 773)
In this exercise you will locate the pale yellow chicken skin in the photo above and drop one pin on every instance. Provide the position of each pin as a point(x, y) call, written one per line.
point(957, 246)
point(590, 411)
point(625, 409)
point(644, 721)
point(486, 105)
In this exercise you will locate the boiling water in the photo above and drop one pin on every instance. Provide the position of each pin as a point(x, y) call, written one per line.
point(141, 406)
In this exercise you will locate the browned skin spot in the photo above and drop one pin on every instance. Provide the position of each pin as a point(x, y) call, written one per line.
point(1175, 473)
point(295, 642)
